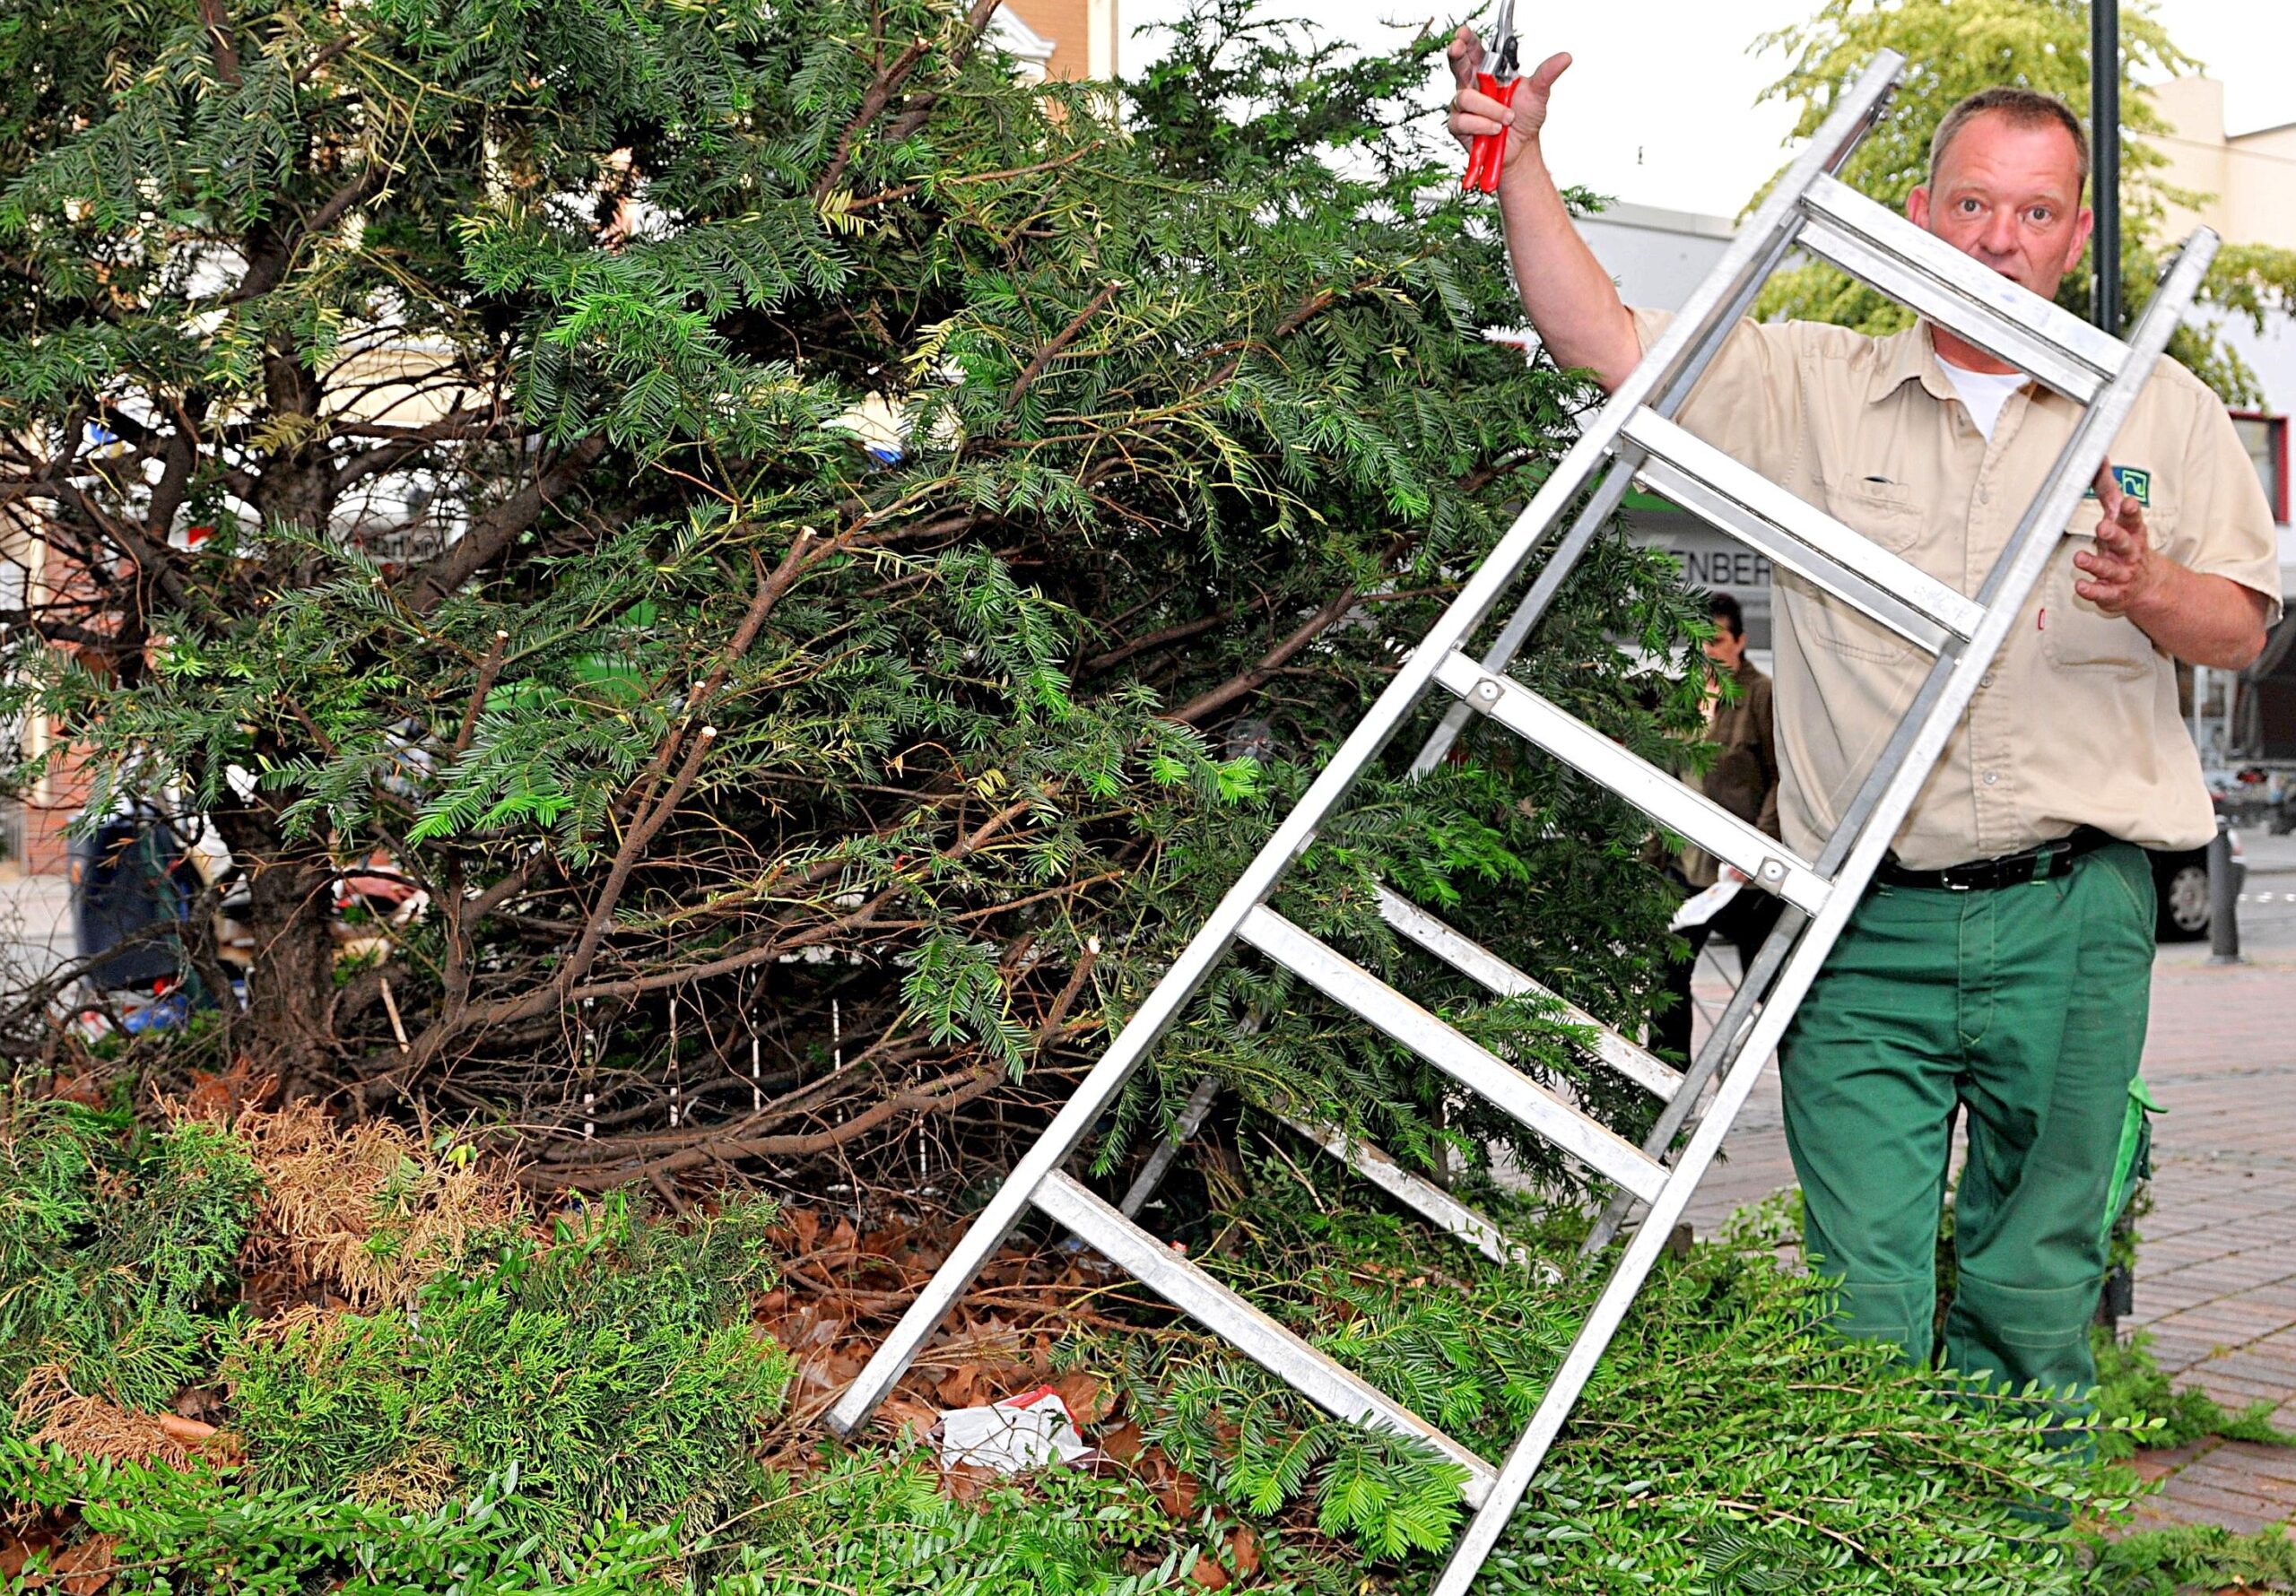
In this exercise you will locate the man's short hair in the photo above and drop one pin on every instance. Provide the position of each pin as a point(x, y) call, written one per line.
point(2023, 107)
point(1723, 607)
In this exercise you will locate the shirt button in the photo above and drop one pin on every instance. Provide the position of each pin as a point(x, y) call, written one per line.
point(1986, 679)
point(1985, 496)
point(1991, 776)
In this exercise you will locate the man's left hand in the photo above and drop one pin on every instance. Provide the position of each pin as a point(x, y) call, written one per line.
point(2124, 572)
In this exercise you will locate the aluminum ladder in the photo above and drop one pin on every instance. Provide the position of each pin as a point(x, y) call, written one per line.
point(1632, 437)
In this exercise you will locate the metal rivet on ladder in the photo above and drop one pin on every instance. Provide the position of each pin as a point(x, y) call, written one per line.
point(1487, 689)
point(1773, 870)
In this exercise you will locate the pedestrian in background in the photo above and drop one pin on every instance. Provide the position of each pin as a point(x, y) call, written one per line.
point(1742, 779)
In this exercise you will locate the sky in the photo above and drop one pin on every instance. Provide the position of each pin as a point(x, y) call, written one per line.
point(1696, 141)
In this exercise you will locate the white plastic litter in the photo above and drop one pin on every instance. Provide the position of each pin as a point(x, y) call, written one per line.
point(1022, 1432)
point(1699, 910)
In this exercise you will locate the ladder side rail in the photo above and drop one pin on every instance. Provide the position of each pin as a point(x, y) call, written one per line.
point(1703, 325)
point(2012, 580)
point(1713, 1054)
point(1642, 1250)
point(1193, 1114)
point(1166, 1000)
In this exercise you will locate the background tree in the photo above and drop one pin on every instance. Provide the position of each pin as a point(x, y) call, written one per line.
point(1955, 47)
point(820, 560)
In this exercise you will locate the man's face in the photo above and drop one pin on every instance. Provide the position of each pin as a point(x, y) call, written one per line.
point(2009, 195)
point(1726, 648)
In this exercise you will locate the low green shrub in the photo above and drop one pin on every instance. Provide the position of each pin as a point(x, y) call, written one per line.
point(583, 1413)
point(1727, 1442)
point(2191, 1558)
point(616, 1369)
point(116, 1248)
point(185, 1532)
point(866, 1525)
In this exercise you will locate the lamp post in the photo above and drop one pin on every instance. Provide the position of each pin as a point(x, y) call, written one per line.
point(2104, 145)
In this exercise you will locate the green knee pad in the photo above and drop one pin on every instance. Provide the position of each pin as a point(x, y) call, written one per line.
point(2011, 1335)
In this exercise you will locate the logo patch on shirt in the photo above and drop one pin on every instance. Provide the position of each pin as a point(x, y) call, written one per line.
point(2134, 480)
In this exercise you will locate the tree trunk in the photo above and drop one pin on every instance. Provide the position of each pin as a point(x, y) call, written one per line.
point(291, 979)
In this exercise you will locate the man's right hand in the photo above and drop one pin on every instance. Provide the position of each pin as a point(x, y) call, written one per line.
point(1474, 114)
point(1568, 295)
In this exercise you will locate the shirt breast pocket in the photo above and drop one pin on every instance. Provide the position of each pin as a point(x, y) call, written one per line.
point(1885, 515)
point(1883, 512)
point(2075, 633)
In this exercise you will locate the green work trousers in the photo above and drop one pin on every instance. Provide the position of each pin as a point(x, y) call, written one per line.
point(2024, 1006)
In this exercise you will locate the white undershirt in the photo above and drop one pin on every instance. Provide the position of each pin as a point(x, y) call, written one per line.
point(1983, 392)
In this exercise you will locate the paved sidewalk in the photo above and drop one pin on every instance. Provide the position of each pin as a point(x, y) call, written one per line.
point(35, 926)
point(2216, 1264)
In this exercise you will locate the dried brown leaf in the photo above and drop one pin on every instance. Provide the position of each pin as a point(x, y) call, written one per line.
point(1243, 1551)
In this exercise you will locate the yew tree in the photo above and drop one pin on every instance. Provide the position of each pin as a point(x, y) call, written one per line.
point(817, 557)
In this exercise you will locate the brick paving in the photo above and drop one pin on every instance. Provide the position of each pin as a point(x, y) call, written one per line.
point(2216, 1265)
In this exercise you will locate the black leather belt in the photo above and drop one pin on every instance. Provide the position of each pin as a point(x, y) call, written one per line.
point(2042, 863)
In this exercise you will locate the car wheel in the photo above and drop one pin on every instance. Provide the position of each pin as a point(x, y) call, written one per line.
point(2184, 902)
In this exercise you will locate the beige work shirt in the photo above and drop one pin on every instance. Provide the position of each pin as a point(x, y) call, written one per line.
point(2076, 723)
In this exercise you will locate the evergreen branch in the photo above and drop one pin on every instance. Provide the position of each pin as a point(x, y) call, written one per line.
point(873, 101)
point(325, 53)
point(633, 849)
point(919, 110)
point(1051, 350)
point(404, 444)
point(487, 670)
point(1244, 682)
point(943, 1094)
point(269, 251)
point(884, 197)
point(1179, 632)
point(429, 585)
point(179, 458)
point(1055, 1018)
point(220, 45)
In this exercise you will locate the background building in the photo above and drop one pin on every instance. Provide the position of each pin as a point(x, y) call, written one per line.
point(1060, 38)
point(2247, 185)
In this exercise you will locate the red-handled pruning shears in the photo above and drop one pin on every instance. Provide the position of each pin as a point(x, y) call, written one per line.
point(1497, 79)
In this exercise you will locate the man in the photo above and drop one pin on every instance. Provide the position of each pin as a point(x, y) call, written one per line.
point(1742, 779)
point(2000, 966)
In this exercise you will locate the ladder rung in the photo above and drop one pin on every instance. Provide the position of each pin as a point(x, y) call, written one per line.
point(1472, 960)
point(1763, 860)
point(1922, 271)
point(1472, 1066)
point(1422, 1195)
point(1259, 1338)
point(1799, 536)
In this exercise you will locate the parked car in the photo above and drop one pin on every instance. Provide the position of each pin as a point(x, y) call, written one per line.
point(2180, 880)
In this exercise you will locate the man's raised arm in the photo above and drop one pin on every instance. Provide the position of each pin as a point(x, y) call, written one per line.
point(1570, 298)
